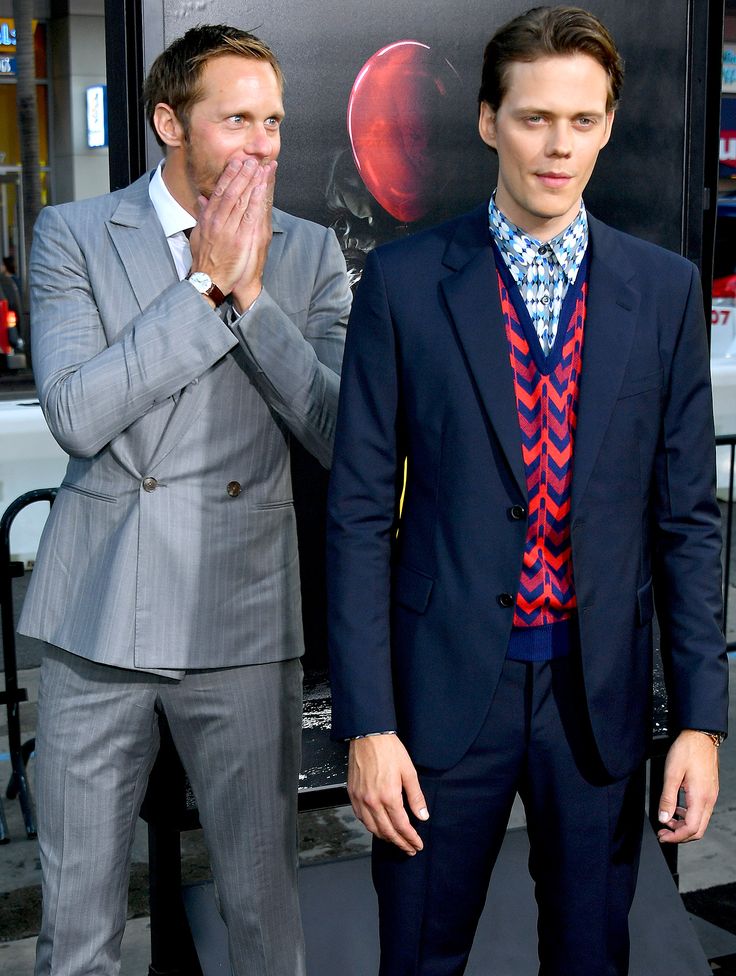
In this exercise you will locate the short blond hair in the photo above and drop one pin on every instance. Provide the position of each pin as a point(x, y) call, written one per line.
point(175, 75)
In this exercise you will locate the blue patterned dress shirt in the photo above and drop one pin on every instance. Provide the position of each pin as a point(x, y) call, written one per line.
point(543, 271)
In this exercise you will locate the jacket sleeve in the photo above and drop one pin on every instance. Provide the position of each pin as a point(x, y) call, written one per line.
point(687, 534)
point(91, 390)
point(298, 372)
point(362, 513)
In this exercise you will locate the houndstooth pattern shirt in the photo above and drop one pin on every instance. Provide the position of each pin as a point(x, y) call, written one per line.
point(543, 271)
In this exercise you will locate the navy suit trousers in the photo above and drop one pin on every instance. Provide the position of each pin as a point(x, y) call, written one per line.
point(584, 830)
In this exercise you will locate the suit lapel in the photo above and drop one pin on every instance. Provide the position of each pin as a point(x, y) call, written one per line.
point(275, 248)
point(610, 323)
point(139, 239)
point(189, 406)
point(146, 259)
point(471, 293)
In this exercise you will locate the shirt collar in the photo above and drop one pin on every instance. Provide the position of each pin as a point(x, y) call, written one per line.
point(172, 216)
point(568, 247)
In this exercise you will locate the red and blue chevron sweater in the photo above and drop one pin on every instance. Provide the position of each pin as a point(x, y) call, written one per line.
point(547, 401)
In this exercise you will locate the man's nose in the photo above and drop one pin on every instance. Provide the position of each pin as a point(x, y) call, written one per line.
point(559, 142)
point(258, 143)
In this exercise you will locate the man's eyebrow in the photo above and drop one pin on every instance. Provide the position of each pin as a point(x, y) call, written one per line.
point(532, 110)
point(249, 112)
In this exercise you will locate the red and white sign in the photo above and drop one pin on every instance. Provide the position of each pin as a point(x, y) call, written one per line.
point(727, 155)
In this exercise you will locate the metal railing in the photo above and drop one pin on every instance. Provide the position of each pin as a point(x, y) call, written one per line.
point(12, 696)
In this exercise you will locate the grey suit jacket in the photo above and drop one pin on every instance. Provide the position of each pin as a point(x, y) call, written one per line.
point(172, 542)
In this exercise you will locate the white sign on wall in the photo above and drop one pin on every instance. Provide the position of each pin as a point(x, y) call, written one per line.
point(728, 71)
point(96, 116)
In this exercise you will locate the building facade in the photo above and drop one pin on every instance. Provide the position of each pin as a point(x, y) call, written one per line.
point(69, 40)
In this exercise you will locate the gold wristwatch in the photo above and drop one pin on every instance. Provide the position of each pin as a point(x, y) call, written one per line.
point(715, 737)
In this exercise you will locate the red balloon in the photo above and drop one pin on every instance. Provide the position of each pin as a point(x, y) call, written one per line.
point(392, 121)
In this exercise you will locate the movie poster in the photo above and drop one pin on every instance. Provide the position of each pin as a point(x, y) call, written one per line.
point(380, 136)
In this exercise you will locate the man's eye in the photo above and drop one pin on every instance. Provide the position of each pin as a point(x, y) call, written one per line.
point(273, 122)
point(235, 119)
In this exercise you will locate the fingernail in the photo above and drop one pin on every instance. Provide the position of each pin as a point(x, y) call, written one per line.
point(250, 163)
point(424, 814)
point(663, 816)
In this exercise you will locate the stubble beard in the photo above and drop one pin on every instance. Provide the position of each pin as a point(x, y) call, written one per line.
point(201, 174)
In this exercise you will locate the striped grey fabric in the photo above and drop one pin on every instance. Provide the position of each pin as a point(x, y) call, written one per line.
point(149, 560)
point(238, 732)
point(168, 565)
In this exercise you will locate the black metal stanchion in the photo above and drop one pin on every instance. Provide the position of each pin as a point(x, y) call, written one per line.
point(168, 808)
point(172, 948)
point(13, 695)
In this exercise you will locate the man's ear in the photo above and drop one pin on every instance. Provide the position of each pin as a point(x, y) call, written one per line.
point(610, 116)
point(487, 124)
point(169, 128)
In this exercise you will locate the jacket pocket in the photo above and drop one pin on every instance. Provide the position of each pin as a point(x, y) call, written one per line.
point(270, 506)
point(411, 589)
point(645, 599)
point(88, 493)
point(641, 384)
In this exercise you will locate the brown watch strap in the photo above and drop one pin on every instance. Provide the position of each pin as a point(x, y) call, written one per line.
point(215, 294)
point(198, 279)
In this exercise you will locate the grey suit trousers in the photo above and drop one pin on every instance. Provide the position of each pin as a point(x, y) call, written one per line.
point(238, 732)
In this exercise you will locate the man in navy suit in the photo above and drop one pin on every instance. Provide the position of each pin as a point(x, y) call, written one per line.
point(545, 380)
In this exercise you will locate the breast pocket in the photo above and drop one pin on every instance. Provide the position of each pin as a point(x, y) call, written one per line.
point(635, 385)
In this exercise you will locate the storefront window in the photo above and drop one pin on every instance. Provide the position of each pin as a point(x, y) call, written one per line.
point(9, 138)
point(10, 150)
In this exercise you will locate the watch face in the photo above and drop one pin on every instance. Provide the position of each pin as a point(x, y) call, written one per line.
point(201, 281)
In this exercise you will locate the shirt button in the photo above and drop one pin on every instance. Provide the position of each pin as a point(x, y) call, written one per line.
point(505, 600)
point(233, 489)
point(545, 300)
point(150, 484)
point(543, 249)
point(517, 512)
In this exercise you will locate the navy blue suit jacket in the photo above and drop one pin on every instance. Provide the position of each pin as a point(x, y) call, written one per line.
point(418, 634)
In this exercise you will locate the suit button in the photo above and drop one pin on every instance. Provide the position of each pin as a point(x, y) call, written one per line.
point(505, 600)
point(150, 484)
point(233, 489)
point(517, 512)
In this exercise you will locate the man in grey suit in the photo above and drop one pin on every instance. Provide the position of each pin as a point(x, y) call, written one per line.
point(167, 577)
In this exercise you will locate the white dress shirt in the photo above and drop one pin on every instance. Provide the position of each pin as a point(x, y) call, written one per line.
point(174, 220)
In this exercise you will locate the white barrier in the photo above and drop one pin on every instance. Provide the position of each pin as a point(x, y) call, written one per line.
point(29, 458)
point(723, 376)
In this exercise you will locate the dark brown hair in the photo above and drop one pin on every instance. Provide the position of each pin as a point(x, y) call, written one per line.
point(544, 32)
point(176, 73)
